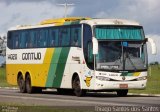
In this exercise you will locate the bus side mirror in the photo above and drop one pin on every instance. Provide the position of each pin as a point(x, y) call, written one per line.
point(95, 45)
point(153, 45)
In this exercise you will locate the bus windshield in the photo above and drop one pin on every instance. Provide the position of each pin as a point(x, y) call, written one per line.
point(121, 48)
point(120, 55)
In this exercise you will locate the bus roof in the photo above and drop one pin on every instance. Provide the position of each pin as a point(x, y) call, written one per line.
point(52, 22)
point(61, 21)
point(110, 22)
point(76, 20)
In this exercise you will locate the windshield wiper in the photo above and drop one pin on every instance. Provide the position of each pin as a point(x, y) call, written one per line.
point(127, 56)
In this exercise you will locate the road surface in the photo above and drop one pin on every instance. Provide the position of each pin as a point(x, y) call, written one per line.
point(51, 98)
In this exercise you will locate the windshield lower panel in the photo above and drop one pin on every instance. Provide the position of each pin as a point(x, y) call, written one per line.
point(121, 56)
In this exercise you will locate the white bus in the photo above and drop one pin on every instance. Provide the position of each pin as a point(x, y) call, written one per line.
point(79, 54)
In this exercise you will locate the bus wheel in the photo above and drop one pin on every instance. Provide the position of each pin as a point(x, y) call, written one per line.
point(77, 87)
point(122, 92)
point(21, 84)
point(28, 84)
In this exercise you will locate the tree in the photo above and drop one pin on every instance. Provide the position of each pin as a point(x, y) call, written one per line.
point(156, 63)
point(2, 45)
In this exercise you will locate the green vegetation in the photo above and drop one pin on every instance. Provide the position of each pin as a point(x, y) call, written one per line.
point(3, 82)
point(153, 84)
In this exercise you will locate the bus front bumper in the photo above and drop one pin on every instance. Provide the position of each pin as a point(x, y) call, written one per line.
point(114, 85)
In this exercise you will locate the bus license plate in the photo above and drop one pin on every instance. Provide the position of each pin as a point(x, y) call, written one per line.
point(123, 86)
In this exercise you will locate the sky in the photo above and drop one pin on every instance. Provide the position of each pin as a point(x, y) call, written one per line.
point(29, 12)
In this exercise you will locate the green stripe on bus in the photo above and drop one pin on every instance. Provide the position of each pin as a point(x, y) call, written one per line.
point(127, 74)
point(61, 66)
point(124, 74)
point(53, 67)
point(130, 74)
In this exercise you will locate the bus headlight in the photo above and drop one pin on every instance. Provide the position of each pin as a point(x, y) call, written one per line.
point(142, 78)
point(102, 78)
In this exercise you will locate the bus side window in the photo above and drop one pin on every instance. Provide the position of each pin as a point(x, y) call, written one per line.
point(51, 39)
point(16, 40)
point(76, 36)
point(45, 37)
point(90, 52)
point(87, 39)
point(66, 37)
point(10, 40)
point(35, 40)
point(28, 40)
point(38, 38)
point(60, 34)
point(42, 38)
point(32, 39)
point(23, 39)
point(74, 40)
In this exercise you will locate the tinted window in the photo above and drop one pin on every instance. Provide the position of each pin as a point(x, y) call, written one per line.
point(53, 37)
point(87, 45)
point(16, 40)
point(64, 36)
point(59, 36)
point(76, 36)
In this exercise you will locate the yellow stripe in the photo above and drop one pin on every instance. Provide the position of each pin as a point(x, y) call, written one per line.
point(136, 73)
point(48, 55)
point(61, 21)
point(44, 68)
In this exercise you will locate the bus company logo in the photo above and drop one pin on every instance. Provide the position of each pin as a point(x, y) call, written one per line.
point(88, 78)
point(31, 56)
point(123, 78)
point(118, 22)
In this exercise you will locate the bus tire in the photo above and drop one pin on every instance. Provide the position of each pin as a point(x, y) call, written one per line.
point(77, 87)
point(122, 93)
point(21, 84)
point(29, 87)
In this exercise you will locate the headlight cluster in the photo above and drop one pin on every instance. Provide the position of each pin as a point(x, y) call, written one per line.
point(142, 78)
point(102, 78)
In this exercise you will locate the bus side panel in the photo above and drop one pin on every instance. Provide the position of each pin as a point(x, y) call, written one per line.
point(73, 65)
point(76, 64)
point(11, 74)
point(57, 67)
point(38, 71)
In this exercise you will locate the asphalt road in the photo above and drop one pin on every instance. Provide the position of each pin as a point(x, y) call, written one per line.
point(51, 98)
